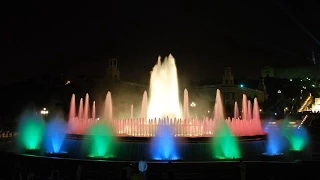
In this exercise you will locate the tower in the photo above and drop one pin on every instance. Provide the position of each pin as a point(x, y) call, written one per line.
point(113, 72)
point(227, 79)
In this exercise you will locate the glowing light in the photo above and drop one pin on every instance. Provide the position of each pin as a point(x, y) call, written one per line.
point(298, 137)
point(163, 145)
point(193, 104)
point(68, 82)
point(224, 144)
point(306, 103)
point(31, 131)
point(241, 85)
point(275, 142)
point(100, 141)
point(304, 119)
point(44, 111)
point(164, 92)
point(279, 91)
point(55, 135)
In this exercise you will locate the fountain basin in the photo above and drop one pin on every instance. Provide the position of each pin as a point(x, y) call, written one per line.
point(273, 157)
point(32, 151)
point(62, 154)
point(178, 159)
point(107, 157)
point(220, 158)
point(295, 155)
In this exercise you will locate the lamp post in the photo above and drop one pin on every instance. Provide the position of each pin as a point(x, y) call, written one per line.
point(44, 112)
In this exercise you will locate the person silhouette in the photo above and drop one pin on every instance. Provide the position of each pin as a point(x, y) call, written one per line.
point(242, 167)
point(143, 166)
point(81, 172)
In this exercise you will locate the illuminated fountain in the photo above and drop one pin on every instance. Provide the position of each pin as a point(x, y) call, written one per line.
point(224, 144)
point(55, 136)
point(164, 145)
point(164, 91)
point(276, 143)
point(79, 124)
point(297, 137)
point(163, 106)
point(31, 132)
point(99, 141)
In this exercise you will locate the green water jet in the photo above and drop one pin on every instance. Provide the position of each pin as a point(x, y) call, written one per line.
point(100, 141)
point(297, 137)
point(224, 144)
point(30, 132)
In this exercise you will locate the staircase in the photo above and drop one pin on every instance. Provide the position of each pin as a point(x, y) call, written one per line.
point(306, 104)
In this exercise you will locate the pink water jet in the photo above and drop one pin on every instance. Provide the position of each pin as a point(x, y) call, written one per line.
point(86, 107)
point(189, 127)
point(72, 111)
point(185, 104)
point(80, 112)
point(108, 108)
point(249, 110)
point(236, 111)
point(93, 110)
point(218, 108)
point(131, 111)
point(244, 107)
point(77, 125)
point(144, 106)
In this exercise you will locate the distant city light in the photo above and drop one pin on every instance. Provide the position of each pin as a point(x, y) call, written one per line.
point(193, 104)
point(275, 114)
point(313, 85)
point(44, 111)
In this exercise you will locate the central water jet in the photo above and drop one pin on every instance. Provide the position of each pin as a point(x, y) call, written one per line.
point(164, 90)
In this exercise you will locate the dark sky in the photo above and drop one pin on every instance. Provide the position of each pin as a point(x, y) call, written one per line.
point(204, 37)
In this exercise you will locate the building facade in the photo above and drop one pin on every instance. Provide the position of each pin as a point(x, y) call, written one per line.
point(230, 92)
point(301, 72)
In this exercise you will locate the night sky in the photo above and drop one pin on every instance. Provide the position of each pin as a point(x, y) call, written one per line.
point(77, 39)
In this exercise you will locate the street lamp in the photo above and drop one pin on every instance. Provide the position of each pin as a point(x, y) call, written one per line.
point(193, 104)
point(44, 112)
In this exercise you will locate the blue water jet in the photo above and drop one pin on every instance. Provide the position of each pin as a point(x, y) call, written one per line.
point(163, 145)
point(276, 142)
point(55, 135)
